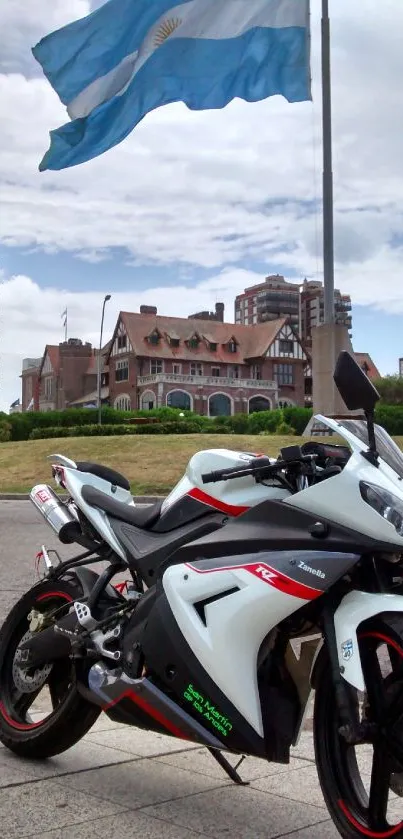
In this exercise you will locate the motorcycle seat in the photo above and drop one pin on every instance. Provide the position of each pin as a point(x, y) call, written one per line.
point(105, 473)
point(142, 517)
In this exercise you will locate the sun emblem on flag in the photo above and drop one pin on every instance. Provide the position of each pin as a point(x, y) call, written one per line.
point(165, 29)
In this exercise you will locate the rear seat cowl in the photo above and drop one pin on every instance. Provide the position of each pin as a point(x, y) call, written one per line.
point(105, 473)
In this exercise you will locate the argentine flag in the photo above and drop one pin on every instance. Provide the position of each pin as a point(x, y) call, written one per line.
point(131, 56)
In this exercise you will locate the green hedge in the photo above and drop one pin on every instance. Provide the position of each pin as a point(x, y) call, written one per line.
point(79, 423)
point(23, 424)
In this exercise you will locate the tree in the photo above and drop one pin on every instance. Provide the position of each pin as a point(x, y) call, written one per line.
point(390, 389)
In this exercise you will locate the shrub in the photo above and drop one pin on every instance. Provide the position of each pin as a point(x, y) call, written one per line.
point(212, 428)
point(239, 423)
point(181, 427)
point(81, 431)
point(298, 418)
point(264, 421)
point(391, 418)
point(284, 429)
point(5, 431)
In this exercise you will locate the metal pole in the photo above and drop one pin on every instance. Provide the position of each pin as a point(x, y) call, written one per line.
point(328, 240)
point(99, 401)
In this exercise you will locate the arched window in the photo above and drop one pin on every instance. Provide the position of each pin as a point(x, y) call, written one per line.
point(123, 403)
point(179, 399)
point(220, 405)
point(148, 400)
point(259, 403)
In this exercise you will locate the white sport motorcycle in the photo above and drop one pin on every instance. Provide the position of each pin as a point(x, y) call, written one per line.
point(201, 643)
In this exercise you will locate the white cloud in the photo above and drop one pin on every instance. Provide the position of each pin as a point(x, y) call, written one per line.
point(213, 189)
point(23, 24)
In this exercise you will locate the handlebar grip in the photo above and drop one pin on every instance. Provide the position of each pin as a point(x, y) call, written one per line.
point(209, 478)
point(220, 474)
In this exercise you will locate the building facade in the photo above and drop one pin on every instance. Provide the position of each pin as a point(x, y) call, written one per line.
point(302, 304)
point(66, 372)
point(207, 366)
point(30, 384)
point(313, 305)
point(275, 298)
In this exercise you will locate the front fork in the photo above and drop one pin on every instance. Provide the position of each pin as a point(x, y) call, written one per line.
point(340, 630)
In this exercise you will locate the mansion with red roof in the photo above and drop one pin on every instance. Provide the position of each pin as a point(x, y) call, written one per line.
point(198, 363)
point(207, 366)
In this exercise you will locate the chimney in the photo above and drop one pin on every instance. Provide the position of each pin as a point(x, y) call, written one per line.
point(219, 312)
point(148, 310)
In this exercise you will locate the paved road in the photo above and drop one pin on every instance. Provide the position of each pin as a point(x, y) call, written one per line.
point(121, 782)
point(23, 531)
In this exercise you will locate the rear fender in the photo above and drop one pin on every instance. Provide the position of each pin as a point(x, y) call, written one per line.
point(87, 579)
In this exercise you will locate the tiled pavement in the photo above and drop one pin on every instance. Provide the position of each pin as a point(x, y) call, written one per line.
point(121, 782)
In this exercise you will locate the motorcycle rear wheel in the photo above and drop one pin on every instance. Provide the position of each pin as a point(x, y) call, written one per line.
point(356, 780)
point(41, 713)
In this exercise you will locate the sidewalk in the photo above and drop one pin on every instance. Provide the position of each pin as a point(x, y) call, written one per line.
point(120, 782)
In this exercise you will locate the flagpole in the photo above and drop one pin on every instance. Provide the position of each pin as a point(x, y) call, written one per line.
point(65, 328)
point(328, 230)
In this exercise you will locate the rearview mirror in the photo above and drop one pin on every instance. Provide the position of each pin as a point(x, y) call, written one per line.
point(354, 386)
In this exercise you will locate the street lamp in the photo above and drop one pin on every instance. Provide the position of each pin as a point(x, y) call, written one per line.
point(106, 298)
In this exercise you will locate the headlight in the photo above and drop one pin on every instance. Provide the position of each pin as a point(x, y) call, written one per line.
point(388, 506)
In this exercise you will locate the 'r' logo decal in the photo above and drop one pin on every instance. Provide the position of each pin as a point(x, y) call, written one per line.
point(264, 573)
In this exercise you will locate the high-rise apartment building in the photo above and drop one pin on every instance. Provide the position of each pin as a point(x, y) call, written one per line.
point(301, 303)
point(273, 299)
point(312, 308)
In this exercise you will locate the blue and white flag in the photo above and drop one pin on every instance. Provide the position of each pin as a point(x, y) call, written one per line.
point(131, 56)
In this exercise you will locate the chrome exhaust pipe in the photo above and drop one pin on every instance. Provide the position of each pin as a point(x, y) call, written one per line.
point(56, 513)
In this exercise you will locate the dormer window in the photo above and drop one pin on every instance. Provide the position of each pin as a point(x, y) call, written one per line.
point(154, 338)
point(173, 339)
point(193, 342)
point(213, 346)
point(232, 346)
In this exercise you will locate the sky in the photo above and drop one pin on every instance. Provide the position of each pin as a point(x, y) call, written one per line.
point(194, 206)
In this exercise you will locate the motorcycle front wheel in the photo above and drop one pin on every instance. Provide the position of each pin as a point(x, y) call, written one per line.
point(359, 782)
point(41, 712)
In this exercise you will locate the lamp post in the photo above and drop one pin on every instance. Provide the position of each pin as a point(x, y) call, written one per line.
point(106, 298)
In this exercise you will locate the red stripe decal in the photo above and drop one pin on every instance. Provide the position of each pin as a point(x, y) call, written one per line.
point(373, 834)
point(230, 509)
point(148, 709)
point(50, 594)
point(21, 726)
point(268, 575)
point(384, 638)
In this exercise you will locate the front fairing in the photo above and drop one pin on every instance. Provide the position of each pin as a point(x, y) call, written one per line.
point(354, 432)
point(339, 498)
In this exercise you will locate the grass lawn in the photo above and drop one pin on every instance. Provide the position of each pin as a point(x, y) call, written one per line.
point(152, 464)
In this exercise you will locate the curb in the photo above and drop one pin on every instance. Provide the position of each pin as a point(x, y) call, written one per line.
point(23, 496)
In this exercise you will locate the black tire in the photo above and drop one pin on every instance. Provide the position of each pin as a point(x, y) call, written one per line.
point(359, 806)
point(72, 716)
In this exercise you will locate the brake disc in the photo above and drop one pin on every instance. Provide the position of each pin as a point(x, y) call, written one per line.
point(29, 682)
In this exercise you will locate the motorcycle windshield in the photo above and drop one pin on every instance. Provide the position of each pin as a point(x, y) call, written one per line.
point(357, 429)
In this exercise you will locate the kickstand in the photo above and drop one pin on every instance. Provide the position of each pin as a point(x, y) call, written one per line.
point(230, 770)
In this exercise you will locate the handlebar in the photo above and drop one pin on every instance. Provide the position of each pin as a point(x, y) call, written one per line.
point(259, 467)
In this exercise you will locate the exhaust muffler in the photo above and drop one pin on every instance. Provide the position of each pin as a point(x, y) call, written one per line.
point(56, 513)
